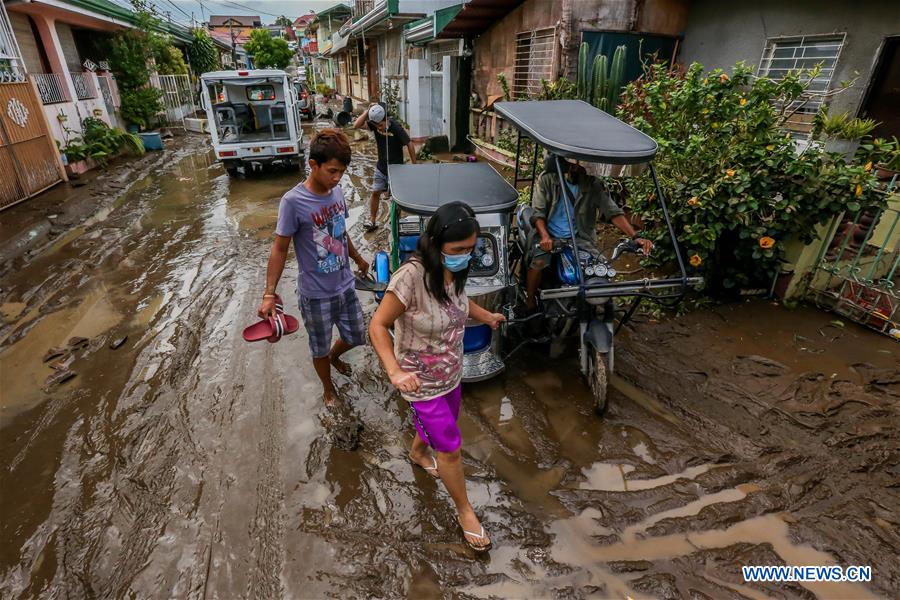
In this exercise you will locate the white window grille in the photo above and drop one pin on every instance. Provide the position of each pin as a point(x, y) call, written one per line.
point(784, 55)
point(535, 54)
point(12, 68)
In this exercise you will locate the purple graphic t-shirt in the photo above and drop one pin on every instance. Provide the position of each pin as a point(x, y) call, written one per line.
point(319, 228)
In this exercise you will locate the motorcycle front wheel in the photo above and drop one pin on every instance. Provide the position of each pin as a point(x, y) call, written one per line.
point(598, 381)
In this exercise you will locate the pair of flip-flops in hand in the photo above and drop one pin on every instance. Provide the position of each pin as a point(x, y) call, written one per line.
point(272, 328)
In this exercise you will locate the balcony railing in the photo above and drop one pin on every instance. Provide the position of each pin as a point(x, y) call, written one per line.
point(51, 87)
point(84, 85)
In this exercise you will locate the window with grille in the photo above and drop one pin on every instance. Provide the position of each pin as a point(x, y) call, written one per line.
point(784, 55)
point(535, 51)
point(354, 61)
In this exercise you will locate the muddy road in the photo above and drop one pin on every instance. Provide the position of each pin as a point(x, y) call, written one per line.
point(186, 463)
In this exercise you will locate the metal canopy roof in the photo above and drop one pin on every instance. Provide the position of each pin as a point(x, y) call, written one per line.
point(422, 189)
point(576, 129)
point(476, 17)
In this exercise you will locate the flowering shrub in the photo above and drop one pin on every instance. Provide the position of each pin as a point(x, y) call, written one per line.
point(736, 187)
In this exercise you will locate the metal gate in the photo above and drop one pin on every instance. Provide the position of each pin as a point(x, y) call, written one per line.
point(29, 160)
point(178, 97)
point(110, 92)
point(858, 269)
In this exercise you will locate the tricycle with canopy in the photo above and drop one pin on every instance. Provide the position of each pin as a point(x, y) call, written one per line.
point(577, 299)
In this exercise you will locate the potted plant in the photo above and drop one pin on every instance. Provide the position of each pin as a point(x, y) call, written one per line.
point(889, 167)
point(880, 155)
point(841, 133)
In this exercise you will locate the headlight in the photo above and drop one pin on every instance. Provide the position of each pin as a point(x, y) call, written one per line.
point(600, 270)
point(611, 273)
point(487, 260)
point(589, 271)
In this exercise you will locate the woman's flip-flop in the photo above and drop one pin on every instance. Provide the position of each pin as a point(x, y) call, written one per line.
point(480, 536)
point(433, 471)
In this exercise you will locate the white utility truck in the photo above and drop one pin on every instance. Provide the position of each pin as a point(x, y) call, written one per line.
point(253, 118)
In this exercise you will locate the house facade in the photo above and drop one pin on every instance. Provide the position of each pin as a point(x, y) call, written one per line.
point(321, 29)
point(856, 43)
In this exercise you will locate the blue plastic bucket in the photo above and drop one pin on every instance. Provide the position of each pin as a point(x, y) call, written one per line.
point(152, 140)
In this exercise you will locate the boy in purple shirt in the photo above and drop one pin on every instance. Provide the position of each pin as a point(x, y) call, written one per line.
point(314, 214)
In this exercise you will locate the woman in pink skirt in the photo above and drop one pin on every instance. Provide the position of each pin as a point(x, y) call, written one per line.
point(426, 304)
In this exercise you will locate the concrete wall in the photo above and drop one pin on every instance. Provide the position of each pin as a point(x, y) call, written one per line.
point(717, 37)
point(495, 49)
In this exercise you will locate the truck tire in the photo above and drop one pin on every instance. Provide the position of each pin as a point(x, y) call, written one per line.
point(232, 171)
point(598, 381)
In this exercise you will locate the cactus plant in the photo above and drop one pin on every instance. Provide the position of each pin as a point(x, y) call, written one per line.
point(598, 80)
point(582, 78)
point(616, 78)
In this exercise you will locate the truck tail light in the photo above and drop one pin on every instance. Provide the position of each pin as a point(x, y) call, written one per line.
point(283, 149)
point(304, 95)
point(243, 73)
point(224, 153)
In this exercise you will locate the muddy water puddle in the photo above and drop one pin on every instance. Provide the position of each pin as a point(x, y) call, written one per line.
point(187, 463)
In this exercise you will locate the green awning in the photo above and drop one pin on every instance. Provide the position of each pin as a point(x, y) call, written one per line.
point(425, 30)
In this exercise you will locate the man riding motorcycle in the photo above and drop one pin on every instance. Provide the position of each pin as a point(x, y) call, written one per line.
point(551, 222)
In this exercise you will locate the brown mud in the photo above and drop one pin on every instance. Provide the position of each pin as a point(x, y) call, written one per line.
point(186, 463)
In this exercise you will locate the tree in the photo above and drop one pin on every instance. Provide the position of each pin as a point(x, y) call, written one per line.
point(283, 21)
point(268, 52)
point(204, 57)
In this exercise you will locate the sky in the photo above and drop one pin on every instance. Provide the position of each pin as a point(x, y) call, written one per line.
point(267, 10)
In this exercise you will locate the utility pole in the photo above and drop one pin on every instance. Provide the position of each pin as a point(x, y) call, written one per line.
point(233, 46)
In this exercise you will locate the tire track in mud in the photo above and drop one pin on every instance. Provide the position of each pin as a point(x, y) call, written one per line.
point(267, 526)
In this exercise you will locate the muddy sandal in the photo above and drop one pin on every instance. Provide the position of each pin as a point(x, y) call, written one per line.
point(480, 536)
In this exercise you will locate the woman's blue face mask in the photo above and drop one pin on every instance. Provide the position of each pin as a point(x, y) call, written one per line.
point(456, 262)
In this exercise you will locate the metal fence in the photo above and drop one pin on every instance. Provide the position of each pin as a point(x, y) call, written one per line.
point(84, 85)
point(858, 268)
point(51, 87)
point(178, 97)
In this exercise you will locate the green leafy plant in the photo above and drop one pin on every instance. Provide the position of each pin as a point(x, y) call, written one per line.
point(100, 142)
point(737, 189)
point(561, 89)
point(879, 152)
point(141, 106)
point(841, 126)
point(504, 86)
point(132, 51)
point(323, 89)
point(424, 154)
point(268, 52)
point(170, 61)
point(204, 56)
point(390, 95)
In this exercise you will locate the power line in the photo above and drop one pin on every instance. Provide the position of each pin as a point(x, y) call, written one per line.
point(178, 8)
point(242, 6)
